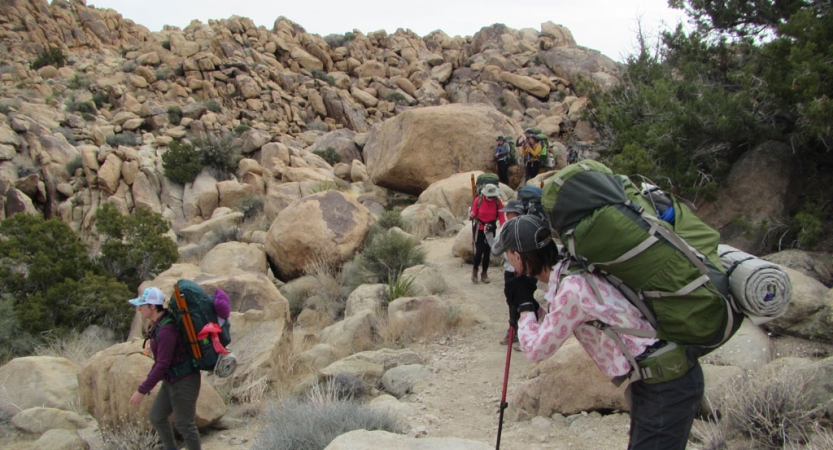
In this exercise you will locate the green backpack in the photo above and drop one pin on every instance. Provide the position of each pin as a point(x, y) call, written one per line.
point(190, 314)
point(486, 178)
point(669, 271)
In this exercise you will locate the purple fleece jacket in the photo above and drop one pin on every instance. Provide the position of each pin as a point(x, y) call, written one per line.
point(168, 349)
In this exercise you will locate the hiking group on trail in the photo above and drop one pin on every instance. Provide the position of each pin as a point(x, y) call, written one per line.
point(640, 285)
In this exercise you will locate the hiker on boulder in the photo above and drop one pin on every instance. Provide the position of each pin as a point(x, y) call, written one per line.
point(662, 413)
point(485, 211)
point(532, 156)
point(172, 365)
point(513, 208)
point(502, 159)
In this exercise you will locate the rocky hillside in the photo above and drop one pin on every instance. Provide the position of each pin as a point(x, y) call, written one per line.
point(290, 90)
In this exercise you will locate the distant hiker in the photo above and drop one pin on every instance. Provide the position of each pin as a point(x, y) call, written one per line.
point(485, 211)
point(513, 208)
point(502, 158)
point(662, 413)
point(178, 394)
point(532, 155)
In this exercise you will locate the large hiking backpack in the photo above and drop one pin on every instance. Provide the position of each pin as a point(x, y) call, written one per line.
point(547, 159)
point(530, 196)
point(486, 178)
point(193, 313)
point(513, 155)
point(669, 270)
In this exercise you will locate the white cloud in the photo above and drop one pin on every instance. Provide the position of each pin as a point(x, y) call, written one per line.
point(606, 25)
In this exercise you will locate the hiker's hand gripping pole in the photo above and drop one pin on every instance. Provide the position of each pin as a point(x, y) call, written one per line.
point(503, 403)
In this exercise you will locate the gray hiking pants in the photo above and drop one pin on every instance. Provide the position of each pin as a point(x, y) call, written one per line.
point(662, 414)
point(179, 398)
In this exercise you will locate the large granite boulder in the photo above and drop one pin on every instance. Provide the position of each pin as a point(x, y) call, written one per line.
point(757, 192)
point(34, 381)
point(809, 313)
point(111, 376)
point(454, 193)
point(581, 386)
point(231, 256)
point(420, 146)
point(328, 225)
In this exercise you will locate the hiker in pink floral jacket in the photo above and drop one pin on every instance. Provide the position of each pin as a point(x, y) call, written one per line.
point(662, 413)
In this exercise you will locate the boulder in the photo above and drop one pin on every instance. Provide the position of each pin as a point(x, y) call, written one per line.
point(111, 376)
point(421, 146)
point(581, 386)
point(412, 309)
point(232, 193)
point(39, 381)
point(109, 174)
point(39, 420)
point(230, 256)
point(809, 313)
point(60, 439)
point(18, 202)
point(750, 349)
point(367, 297)
point(318, 357)
point(401, 380)
point(425, 280)
point(193, 233)
point(818, 265)
point(454, 193)
point(757, 192)
point(383, 440)
point(528, 84)
point(427, 220)
point(342, 141)
point(334, 226)
point(354, 333)
point(573, 63)
point(371, 365)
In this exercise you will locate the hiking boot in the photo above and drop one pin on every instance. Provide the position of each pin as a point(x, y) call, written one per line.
point(484, 278)
point(505, 340)
point(474, 275)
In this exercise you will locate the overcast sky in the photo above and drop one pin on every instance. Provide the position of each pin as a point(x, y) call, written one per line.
point(605, 25)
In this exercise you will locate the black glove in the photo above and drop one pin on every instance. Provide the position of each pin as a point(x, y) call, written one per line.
point(519, 296)
point(489, 228)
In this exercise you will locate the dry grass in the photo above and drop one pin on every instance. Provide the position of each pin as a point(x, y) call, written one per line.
point(329, 296)
point(771, 408)
point(434, 321)
point(129, 436)
point(77, 348)
point(709, 435)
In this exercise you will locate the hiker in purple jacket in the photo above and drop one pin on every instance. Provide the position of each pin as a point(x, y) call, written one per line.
point(172, 365)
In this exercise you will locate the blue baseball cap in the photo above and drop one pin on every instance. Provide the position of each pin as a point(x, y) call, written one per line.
point(150, 296)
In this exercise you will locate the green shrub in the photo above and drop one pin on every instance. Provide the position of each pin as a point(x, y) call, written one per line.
point(349, 36)
point(311, 424)
point(810, 225)
point(319, 74)
point(242, 128)
point(126, 138)
point(220, 155)
point(100, 98)
point(175, 115)
point(52, 57)
point(389, 219)
point(213, 106)
point(182, 163)
point(396, 97)
point(334, 40)
point(75, 164)
point(164, 73)
point(14, 341)
point(330, 155)
point(399, 287)
point(83, 107)
point(78, 82)
point(388, 254)
point(134, 247)
point(251, 206)
point(88, 117)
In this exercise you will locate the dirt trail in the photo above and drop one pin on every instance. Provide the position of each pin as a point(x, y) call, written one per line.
point(461, 399)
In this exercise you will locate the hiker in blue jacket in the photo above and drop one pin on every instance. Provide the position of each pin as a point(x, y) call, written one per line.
point(180, 385)
point(502, 159)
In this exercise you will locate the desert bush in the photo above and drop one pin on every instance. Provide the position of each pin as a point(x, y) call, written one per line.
point(388, 254)
point(134, 247)
point(219, 155)
point(174, 115)
point(389, 219)
point(242, 128)
point(165, 73)
point(319, 74)
point(52, 57)
point(25, 166)
point(313, 422)
point(770, 408)
point(213, 106)
point(88, 117)
point(126, 138)
point(76, 347)
point(330, 155)
point(709, 435)
point(83, 107)
point(100, 98)
point(129, 436)
point(396, 97)
point(75, 164)
point(78, 82)
point(434, 320)
point(317, 125)
point(399, 287)
point(67, 134)
point(182, 163)
point(251, 206)
point(329, 297)
point(14, 341)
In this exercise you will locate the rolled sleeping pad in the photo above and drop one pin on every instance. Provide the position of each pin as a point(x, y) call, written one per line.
point(761, 289)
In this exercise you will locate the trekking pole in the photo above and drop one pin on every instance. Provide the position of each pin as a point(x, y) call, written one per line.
point(503, 403)
point(473, 221)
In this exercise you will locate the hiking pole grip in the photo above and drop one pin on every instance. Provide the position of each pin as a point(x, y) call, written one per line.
point(503, 403)
point(187, 323)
